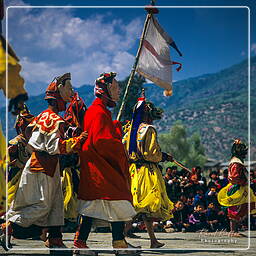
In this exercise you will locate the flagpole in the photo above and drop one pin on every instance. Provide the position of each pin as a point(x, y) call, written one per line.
point(149, 15)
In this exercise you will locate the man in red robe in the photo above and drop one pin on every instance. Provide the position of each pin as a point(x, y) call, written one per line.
point(104, 189)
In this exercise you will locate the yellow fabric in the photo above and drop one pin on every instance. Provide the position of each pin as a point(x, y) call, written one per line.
point(149, 193)
point(238, 198)
point(15, 81)
point(2, 172)
point(147, 143)
point(72, 145)
point(147, 184)
point(13, 185)
point(70, 198)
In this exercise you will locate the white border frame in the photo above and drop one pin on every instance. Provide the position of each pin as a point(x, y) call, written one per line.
point(249, 118)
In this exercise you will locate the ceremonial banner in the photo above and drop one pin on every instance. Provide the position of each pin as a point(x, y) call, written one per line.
point(154, 61)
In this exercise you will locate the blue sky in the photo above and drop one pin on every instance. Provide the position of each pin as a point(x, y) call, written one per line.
point(88, 41)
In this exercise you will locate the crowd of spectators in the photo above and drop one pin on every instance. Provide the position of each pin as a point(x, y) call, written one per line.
point(196, 206)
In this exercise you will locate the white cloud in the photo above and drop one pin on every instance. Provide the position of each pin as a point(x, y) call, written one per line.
point(253, 48)
point(84, 71)
point(50, 42)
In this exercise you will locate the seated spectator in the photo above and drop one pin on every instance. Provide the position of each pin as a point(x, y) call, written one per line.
point(212, 217)
point(201, 181)
point(186, 184)
point(190, 205)
point(211, 195)
point(199, 197)
point(180, 217)
point(224, 178)
point(172, 183)
point(197, 219)
point(214, 179)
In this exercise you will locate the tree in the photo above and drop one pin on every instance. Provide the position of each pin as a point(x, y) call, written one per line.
point(187, 150)
point(133, 94)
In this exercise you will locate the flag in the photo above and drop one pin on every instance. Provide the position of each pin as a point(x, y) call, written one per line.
point(15, 81)
point(154, 61)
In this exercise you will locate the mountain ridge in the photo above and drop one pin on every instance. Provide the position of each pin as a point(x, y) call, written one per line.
point(214, 105)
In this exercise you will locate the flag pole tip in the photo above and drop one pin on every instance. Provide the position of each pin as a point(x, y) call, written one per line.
point(151, 9)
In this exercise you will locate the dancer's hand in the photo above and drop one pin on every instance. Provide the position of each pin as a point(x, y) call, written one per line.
point(169, 158)
point(83, 136)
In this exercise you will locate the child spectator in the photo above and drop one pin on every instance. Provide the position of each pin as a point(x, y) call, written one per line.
point(211, 195)
point(199, 197)
point(190, 205)
point(197, 219)
point(214, 179)
point(224, 178)
point(180, 217)
point(212, 217)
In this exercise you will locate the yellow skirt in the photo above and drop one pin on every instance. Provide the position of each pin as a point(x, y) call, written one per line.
point(238, 198)
point(149, 192)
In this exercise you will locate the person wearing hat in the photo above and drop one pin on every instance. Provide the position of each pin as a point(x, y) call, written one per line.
point(235, 194)
point(150, 198)
point(104, 190)
point(38, 202)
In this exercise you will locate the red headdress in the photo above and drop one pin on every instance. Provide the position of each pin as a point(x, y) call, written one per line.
point(101, 89)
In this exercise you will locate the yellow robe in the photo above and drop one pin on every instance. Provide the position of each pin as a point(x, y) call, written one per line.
point(147, 184)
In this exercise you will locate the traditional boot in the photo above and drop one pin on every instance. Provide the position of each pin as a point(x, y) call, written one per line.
point(84, 249)
point(55, 243)
point(124, 248)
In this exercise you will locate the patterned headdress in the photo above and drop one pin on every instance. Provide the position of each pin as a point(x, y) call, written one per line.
point(53, 90)
point(101, 89)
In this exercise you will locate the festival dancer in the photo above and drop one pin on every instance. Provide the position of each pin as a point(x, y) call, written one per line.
point(147, 184)
point(104, 191)
point(38, 202)
point(235, 194)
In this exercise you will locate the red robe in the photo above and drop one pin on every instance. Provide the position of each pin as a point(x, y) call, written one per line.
point(104, 163)
point(237, 174)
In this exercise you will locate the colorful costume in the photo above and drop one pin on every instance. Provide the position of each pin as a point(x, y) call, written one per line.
point(103, 189)
point(38, 201)
point(147, 183)
point(42, 204)
point(235, 194)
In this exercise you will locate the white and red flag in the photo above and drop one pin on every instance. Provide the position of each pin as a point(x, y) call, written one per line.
point(154, 61)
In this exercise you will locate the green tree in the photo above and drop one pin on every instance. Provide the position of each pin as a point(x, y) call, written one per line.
point(183, 148)
point(133, 94)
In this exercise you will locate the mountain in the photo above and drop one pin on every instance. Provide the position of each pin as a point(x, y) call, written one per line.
point(214, 105)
